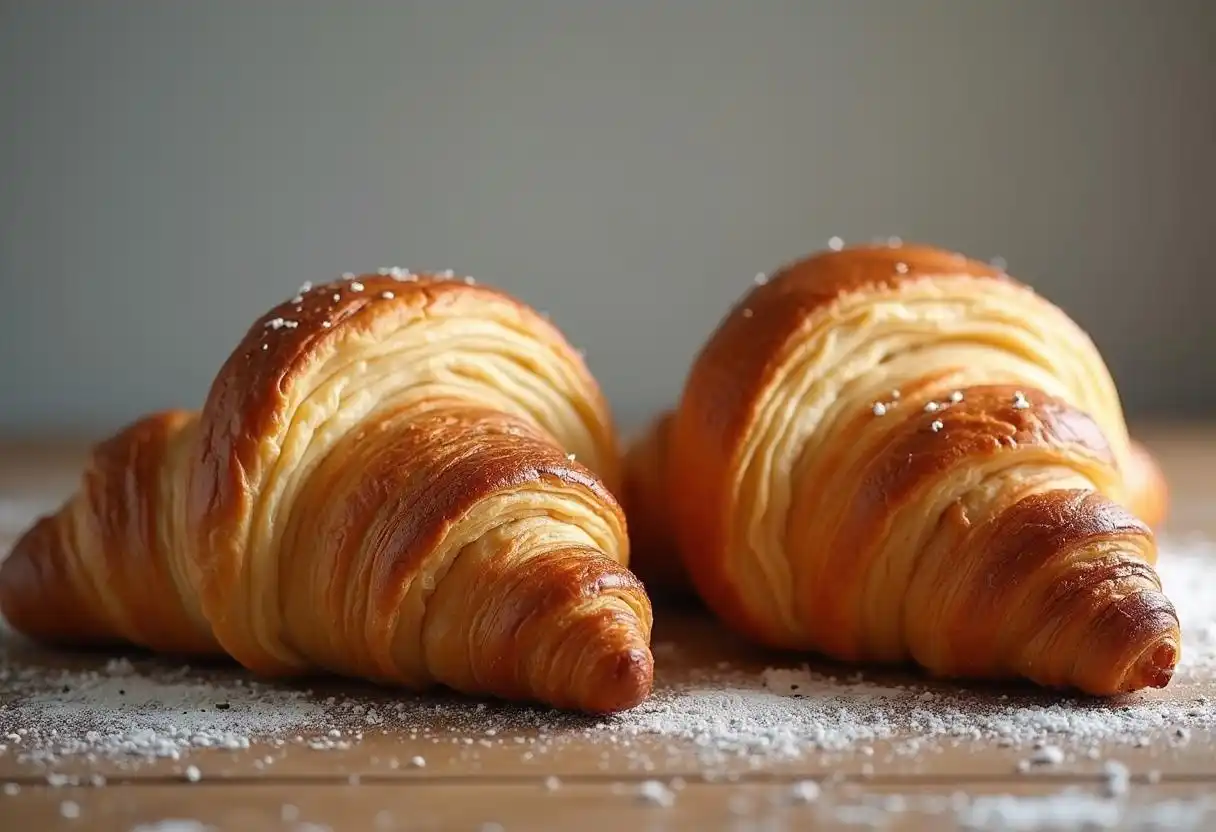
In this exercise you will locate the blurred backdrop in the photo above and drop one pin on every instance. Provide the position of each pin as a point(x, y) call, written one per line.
point(169, 169)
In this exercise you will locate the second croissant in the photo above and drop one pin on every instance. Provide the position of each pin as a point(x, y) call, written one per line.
point(896, 453)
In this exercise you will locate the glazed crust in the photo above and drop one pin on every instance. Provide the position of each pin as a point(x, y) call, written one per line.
point(855, 429)
point(397, 477)
point(59, 582)
point(654, 553)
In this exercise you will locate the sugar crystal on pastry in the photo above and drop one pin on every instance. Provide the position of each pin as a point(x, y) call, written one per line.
point(386, 494)
point(967, 532)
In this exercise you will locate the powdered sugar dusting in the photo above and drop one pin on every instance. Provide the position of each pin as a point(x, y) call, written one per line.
point(149, 712)
point(155, 709)
point(786, 712)
point(1188, 574)
point(1074, 809)
point(1070, 808)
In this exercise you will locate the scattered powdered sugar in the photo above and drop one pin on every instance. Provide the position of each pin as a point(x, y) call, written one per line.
point(1075, 809)
point(791, 711)
point(1046, 755)
point(655, 793)
point(1188, 574)
point(1070, 808)
point(1117, 778)
point(150, 709)
point(122, 710)
point(744, 718)
point(173, 825)
point(805, 791)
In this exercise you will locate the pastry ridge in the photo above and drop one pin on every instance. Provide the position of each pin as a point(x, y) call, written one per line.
point(850, 436)
point(374, 466)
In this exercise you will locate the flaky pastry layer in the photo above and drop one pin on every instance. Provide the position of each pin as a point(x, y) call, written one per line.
point(402, 478)
point(853, 432)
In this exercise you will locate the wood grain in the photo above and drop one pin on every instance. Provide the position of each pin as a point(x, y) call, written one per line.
point(467, 783)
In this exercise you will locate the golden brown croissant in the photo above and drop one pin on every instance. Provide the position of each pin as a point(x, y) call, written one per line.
point(1147, 490)
point(896, 453)
point(401, 478)
point(654, 555)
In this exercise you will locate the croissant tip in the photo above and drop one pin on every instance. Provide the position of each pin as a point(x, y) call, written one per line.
point(1160, 668)
point(621, 681)
point(1155, 668)
point(21, 586)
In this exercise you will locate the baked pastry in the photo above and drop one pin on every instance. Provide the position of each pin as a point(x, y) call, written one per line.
point(895, 453)
point(652, 547)
point(654, 554)
point(403, 478)
point(1148, 493)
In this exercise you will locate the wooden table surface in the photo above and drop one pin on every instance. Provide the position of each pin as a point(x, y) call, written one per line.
point(571, 777)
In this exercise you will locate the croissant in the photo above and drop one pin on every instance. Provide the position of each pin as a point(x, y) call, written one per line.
point(1148, 494)
point(654, 554)
point(402, 478)
point(652, 546)
point(897, 454)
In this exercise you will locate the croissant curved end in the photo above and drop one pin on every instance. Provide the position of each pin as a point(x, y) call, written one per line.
point(620, 681)
point(36, 598)
point(1156, 667)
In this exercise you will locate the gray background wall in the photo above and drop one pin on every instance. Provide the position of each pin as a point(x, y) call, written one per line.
point(168, 169)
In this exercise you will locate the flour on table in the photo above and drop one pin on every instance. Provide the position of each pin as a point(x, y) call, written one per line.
point(150, 709)
point(654, 793)
point(1074, 809)
point(151, 712)
point(1069, 809)
point(792, 711)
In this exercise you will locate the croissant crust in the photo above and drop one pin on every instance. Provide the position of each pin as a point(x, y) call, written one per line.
point(894, 453)
point(403, 478)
